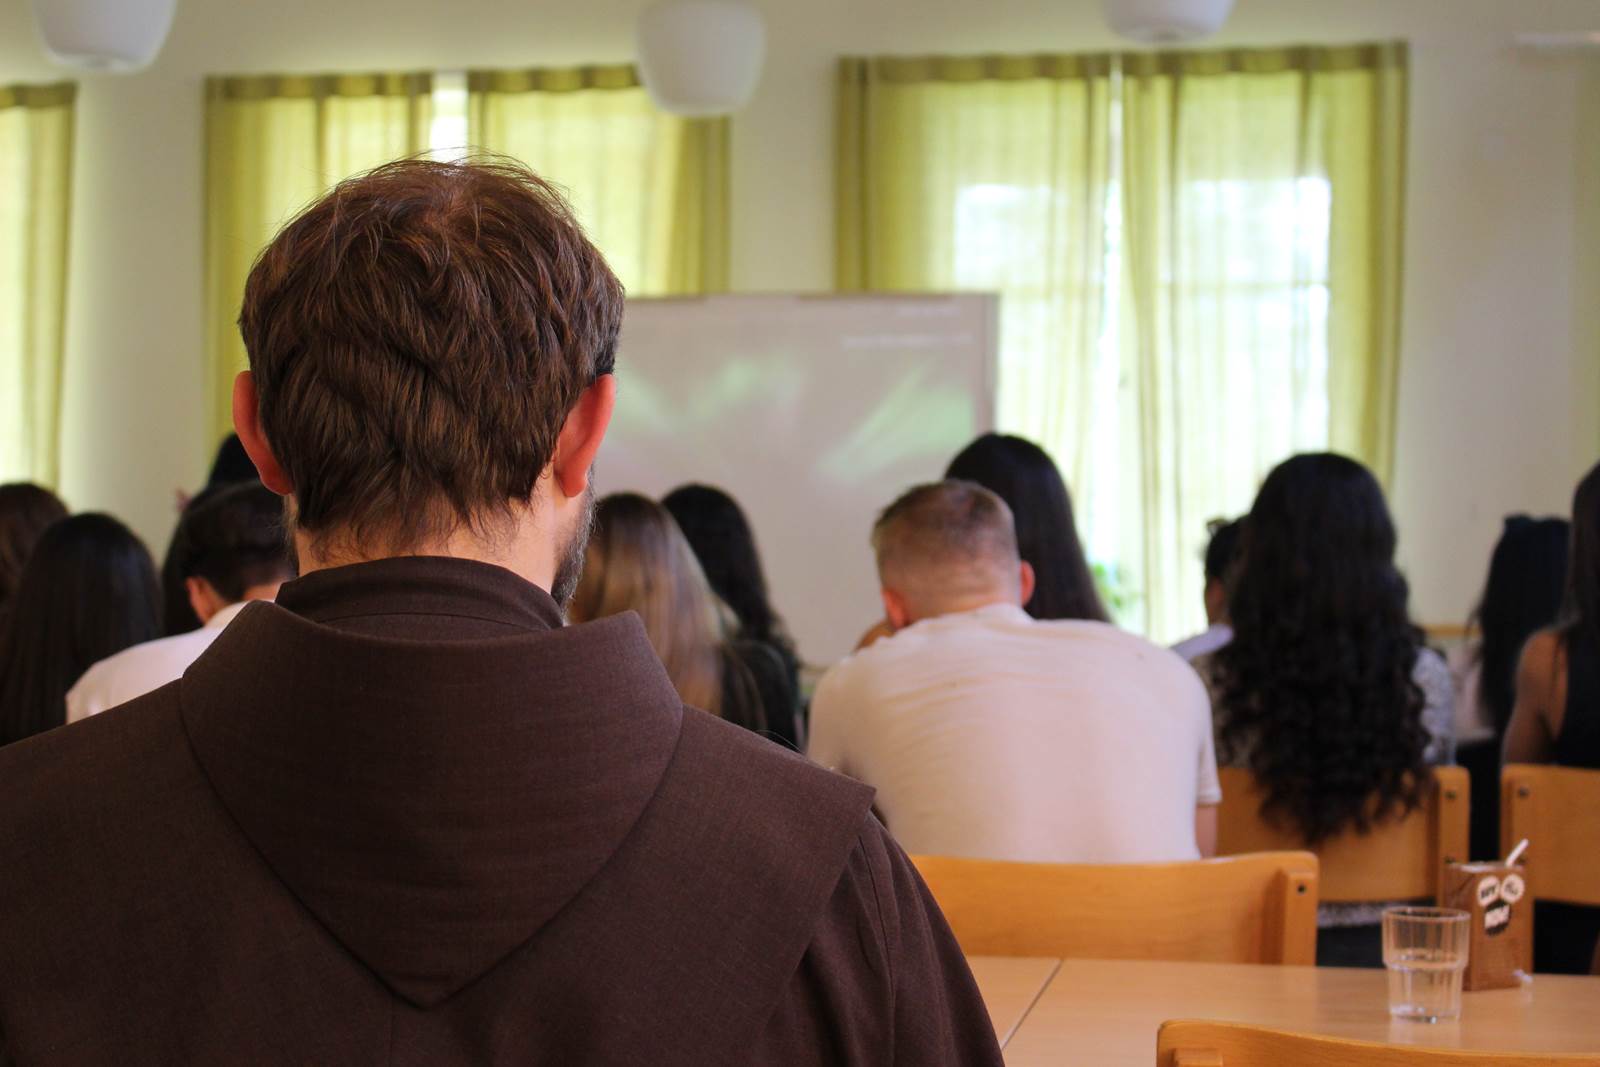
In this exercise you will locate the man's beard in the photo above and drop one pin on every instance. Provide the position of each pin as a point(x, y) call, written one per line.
point(570, 568)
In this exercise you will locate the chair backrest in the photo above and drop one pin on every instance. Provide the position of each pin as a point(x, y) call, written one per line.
point(1558, 810)
point(1398, 859)
point(1210, 1044)
point(1247, 909)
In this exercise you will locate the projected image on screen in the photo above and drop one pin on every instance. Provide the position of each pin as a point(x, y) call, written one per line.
point(814, 413)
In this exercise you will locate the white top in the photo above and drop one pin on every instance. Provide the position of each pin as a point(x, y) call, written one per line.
point(994, 736)
point(1472, 722)
point(142, 669)
point(1203, 644)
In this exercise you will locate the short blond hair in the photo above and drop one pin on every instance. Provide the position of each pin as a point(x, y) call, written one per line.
point(945, 539)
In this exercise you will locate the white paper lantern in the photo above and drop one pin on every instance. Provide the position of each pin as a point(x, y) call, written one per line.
point(701, 57)
point(1163, 21)
point(114, 35)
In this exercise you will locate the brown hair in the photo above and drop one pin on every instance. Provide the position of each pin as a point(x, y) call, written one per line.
point(640, 561)
point(418, 337)
point(26, 511)
point(948, 537)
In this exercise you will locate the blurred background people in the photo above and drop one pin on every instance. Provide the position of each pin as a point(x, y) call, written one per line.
point(26, 511)
point(234, 550)
point(1556, 715)
point(1522, 594)
point(1025, 477)
point(1221, 549)
point(723, 542)
point(993, 735)
point(639, 561)
point(1327, 693)
point(88, 591)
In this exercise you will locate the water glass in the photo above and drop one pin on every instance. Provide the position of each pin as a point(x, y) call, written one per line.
point(1425, 950)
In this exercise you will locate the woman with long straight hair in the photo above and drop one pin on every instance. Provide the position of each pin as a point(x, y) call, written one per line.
point(1025, 477)
point(26, 512)
point(638, 561)
point(1557, 714)
point(1522, 595)
point(719, 533)
point(88, 591)
point(1327, 693)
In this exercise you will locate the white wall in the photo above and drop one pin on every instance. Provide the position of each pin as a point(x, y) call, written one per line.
point(1500, 396)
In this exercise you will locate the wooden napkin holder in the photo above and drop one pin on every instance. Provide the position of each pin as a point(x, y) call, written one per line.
point(1496, 896)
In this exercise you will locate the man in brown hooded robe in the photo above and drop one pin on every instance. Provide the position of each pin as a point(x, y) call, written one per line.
point(403, 815)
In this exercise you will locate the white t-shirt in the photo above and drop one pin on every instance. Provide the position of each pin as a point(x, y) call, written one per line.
point(1203, 644)
point(994, 736)
point(142, 669)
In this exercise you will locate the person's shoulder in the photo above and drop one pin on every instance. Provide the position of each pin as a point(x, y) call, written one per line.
point(759, 768)
point(82, 784)
point(1544, 651)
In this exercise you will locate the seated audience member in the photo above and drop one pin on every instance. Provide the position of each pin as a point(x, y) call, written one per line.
point(716, 528)
point(26, 511)
point(403, 808)
point(230, 467)
point(234, 552)
point(992, 735)
point(638, 561)
point(88, 591)
point(1220, 553)
point(1326, 691)
point(1522, 595)
point(1023, 475)
point(1556, 714)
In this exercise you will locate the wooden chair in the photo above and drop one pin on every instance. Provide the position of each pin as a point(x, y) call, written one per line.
point(1248, 909)
point(1209, 1044)
point(1558, 810)
point(1400, 859)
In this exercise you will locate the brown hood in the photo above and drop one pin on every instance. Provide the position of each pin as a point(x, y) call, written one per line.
point(433, 802)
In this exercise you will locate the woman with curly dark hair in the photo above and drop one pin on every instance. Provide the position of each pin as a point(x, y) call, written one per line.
point(1326, 692)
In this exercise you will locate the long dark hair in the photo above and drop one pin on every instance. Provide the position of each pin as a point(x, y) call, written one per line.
point(1316, 688)
point(716, 528)
point(1580, 614)
point(1023, 475)
point(88, 592)
point(26, 511)
point(1523, 593)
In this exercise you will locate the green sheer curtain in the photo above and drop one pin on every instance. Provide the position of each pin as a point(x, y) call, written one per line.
point(1263, 222)
point(1198, 255)
point(36, 125)
point(273, 144)
point(989, 174)
point(651, 188)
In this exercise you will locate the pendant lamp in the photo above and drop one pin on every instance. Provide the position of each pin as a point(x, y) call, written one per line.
point(701, 57)
point(110, 35)
point(1166, 21)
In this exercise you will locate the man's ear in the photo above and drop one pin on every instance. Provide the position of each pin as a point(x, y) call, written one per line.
point(247, 422)
point(896, 610)
point(580, 438)
point(1029, 581)
point(203, 598)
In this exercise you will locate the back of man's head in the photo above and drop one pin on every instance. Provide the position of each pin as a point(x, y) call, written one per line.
point(234, 539)
point(417, 339)
point(945, 547)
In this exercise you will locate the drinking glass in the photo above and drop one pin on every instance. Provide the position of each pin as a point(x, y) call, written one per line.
point(1425, 950)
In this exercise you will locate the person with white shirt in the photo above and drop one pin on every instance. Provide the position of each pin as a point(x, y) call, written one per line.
point(234, 552)
point(992, 735)
point(1220, 551)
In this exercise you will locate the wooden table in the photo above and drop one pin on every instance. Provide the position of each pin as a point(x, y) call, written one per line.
point(1009, 987)
point(1107, 1012)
